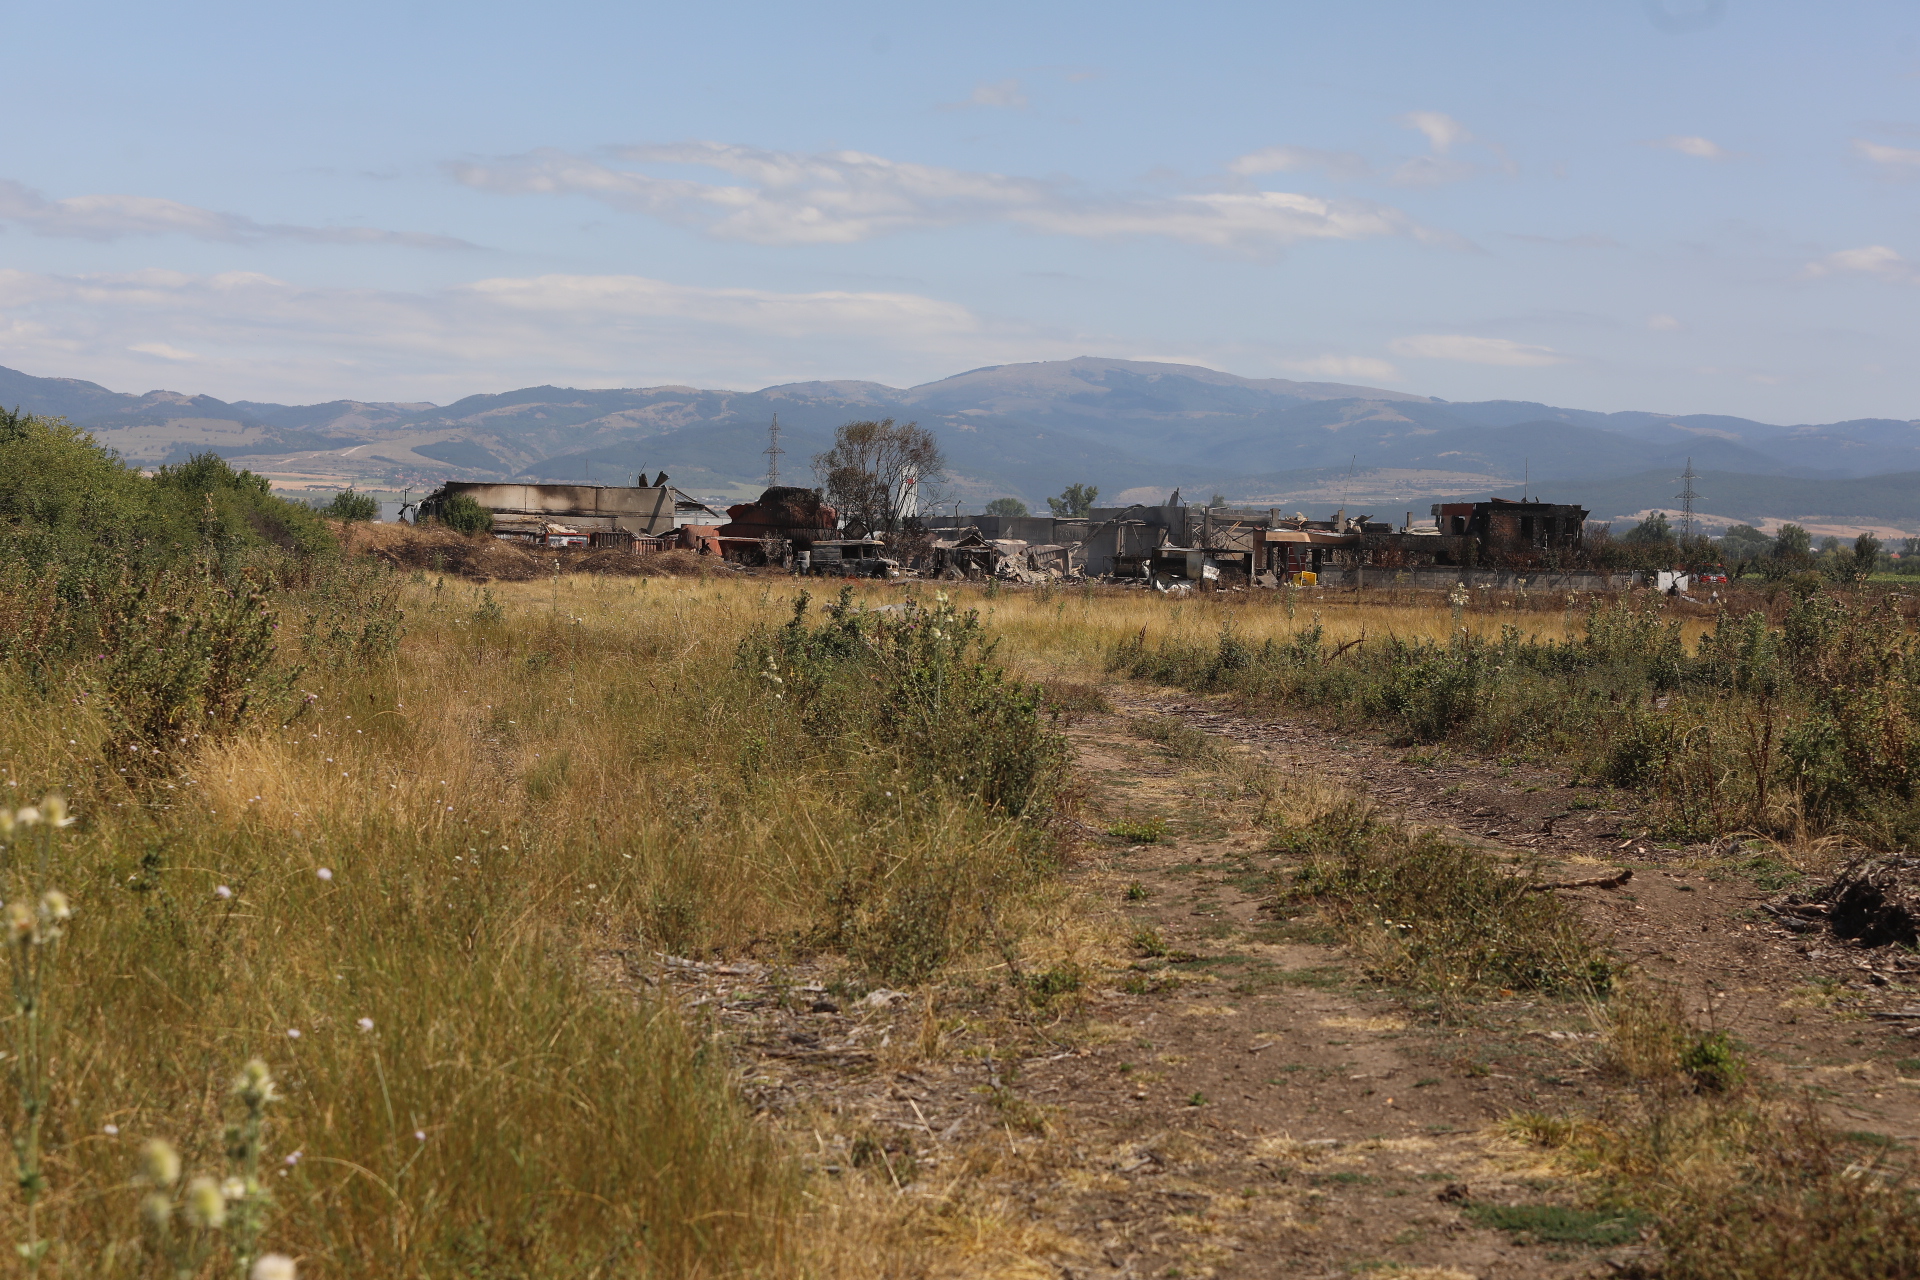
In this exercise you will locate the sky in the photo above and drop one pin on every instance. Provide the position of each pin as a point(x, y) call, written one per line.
point(1683, 206)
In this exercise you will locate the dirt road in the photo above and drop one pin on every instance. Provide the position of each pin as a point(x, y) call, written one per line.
point(1229, 1095)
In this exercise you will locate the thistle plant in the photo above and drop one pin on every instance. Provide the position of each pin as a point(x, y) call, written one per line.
point(33, 932)
point(185, 1223)
point(250, 1199)
point(1458, 598)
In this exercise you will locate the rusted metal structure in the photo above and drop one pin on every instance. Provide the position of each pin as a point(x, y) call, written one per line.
point(781, 522)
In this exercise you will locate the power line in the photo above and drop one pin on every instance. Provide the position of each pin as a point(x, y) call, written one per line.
point(773, 452)
point(1686, 496)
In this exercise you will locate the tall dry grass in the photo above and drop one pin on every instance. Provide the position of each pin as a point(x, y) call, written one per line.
point(389, 886)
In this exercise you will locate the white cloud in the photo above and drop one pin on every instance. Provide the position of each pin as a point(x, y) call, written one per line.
point(1443, 132)
point(1901, 161)
point(1689, 144)
point(1471, 350)
point(247, 335)
point(114, 217)
point(1445, 135)
point(1661, 322)
point(1342, 367)
point(163, 350)
point(843, 197)
point(1337, 164)
point(1872, 260)
point(1005, 94)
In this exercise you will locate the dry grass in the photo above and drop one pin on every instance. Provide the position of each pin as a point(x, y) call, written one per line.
point(539, 767)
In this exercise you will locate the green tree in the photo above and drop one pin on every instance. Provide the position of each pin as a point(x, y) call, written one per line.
point(1866, 555)
point(876, 471)
point(352, 506)
point(1744, 542)
point(1909, 559)
point(1007, 507)
point(1792, 543)
point(1217, 500)
point(462, 514)
point(1076, 502)
point(1655, 528)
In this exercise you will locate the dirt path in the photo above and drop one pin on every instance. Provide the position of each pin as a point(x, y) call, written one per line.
point(1231, 1097)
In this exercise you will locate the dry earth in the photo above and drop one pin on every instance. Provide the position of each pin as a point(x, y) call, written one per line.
point(1245, 1102)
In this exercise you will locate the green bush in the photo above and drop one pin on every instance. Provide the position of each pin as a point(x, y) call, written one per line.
point(1758, 727)
point(66, 498)
point(955, 763)
point(1438, 917)
point(351, 506)
point(463, 515)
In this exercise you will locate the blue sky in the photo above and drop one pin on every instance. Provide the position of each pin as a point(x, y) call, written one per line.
point(1676, 205)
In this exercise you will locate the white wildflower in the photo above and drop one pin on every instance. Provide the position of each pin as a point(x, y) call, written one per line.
point(159, 1163)
point(205, 1207)
point(272, 1266)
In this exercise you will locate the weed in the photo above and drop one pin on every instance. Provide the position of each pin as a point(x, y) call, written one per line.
point(1139, 830)
point(1180, 739)
point(1435, 916)
point(1560, 1224)
point(1136, 892)
point(1149, 941)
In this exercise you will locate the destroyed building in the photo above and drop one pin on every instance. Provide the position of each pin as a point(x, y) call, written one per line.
point(1172, 542)
point(1502, 533)
point(782, 521)
point(566, 514)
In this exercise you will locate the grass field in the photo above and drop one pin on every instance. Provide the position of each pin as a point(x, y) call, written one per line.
point(385, 884)
point(385, 860)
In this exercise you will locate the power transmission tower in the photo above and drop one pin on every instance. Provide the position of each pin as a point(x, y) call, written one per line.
point(773, 452)
point(1686, 496)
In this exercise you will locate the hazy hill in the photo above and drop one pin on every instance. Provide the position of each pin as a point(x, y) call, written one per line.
point(1025, 430)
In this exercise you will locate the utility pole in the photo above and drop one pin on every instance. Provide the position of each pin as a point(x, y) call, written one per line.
point(773, 452)
point(1686, 496)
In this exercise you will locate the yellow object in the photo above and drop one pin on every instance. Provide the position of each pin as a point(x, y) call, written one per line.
point(1309, 578)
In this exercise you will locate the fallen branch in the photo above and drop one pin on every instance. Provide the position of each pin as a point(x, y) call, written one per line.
point(1613, 881)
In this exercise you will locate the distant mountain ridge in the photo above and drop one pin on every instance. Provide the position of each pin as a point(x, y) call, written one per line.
point(1024, 430)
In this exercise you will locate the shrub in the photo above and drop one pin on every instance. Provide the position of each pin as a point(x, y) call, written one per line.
point(1439, 917)
point(1815, 722)
point(351, 506)
point(464, 515)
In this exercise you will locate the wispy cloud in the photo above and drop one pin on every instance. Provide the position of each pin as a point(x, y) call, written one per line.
point(1692, 144)
point(1446, 139)
point(844, 197)
point(251, 335)
point(1467, 349)
point(1871, 260)
point(1343, 367)
point(1445, 136)
point(1661, 322)
point(1336, 164)
point(115, 217)
point(1003, 94)
point(1901, 162)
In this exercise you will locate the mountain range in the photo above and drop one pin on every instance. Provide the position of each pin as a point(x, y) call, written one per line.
point(1137, 429)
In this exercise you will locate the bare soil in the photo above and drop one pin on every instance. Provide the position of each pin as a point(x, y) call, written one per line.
point(1230, 1095)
